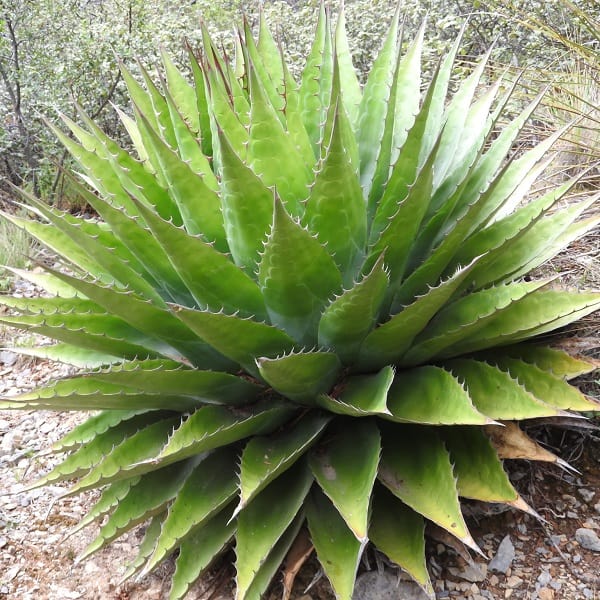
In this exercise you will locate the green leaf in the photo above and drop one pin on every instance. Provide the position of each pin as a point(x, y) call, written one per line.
point(154, 320)
point(497, 394)
point(211, 387)
point(146, 498)
point(315, 89)
point(94, 449)
point(124, 460)
point(271, 564)
point(270, 54)
point(202, 104)
point(211, 277)
point(345, 466)
point(207, 490)
point(198, 550)
point(553, 360)
point(241, 340)
point(545, 386)
point(272, 153)
point(350, 87)
point(416, 468)
point(478, 469)
point(464, 317)
point(337, 548)
point(387, 343)
point(361, 395)
point(215, 426)
point(247, 206)
point(146, 547)
point(300, 377)
point(375, 106)
point(265, 458)
point(350, 317)
point(398, 531)
point(256, 536)
point(69, 354)
point(431, 395)
point(335, 210)
point(297, 276)
point(198, 204)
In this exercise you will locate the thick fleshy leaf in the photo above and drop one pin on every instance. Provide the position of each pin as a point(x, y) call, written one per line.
point(198, 549)
point(361, 395)
point(297, 276)
point(256, 537)
point(399, 531)
point(272, 153)
point(545, 386)
point(146, 498)
point(431, 395)
point(146, 547)
point(208, 489)
point(478, 469)
point(212, 279)
point(301, 377)
point(552, 360)
point(265, 458)
point(242, 340)
point(388, 342)
point(335, 210)
point(215, 426)
point(345, 466)
point(315, 88)
point(126, 459)
point(338, 549)
point(349, 318)
point(375, 105)
point(497, 394)
point(416, 468)
point(247, 205)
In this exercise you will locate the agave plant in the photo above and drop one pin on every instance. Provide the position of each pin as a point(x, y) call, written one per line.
point(303, 305)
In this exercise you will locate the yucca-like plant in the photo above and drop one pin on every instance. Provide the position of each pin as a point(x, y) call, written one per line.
point(304, 305)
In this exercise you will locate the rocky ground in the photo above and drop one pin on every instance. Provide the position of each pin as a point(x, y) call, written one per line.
point(558, 558)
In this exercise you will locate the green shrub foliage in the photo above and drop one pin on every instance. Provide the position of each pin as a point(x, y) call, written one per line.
point(304, 305)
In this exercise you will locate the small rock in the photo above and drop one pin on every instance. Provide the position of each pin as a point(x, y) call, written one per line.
point(504, 556)
point(588, 539)
point(47, 427)
point(4, 425)
point(513, 581)
point(572, 514)
point(474, 572)
point(544, 578)
point(546, 594)
point(586, 495)
point(494, 580)
point(588, 593)
point(597, 507)
point(385, 586)
point(3, 542)
point(8, 358)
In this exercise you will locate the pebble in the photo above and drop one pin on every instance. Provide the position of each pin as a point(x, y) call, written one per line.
point(546, 594)
point(504, 556)
point(588, 539)
point(8, 358)
point(586, 495)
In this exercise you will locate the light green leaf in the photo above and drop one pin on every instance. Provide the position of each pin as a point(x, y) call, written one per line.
point(198, 550)
point(497, 394)
point(265, 458)
point(416, 468)
point(297, 276)
point(241, 340)
point(337, 548)
point(301, 377)
point(206, 492)
point(478, 469)
point(215, 426)
point(398, 531)
point(256, 536)
point(335, 210)
point(431, 395)
point(350, 317)
point(345, 466)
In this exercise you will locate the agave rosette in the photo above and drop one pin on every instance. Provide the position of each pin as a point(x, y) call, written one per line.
point(303, 305)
